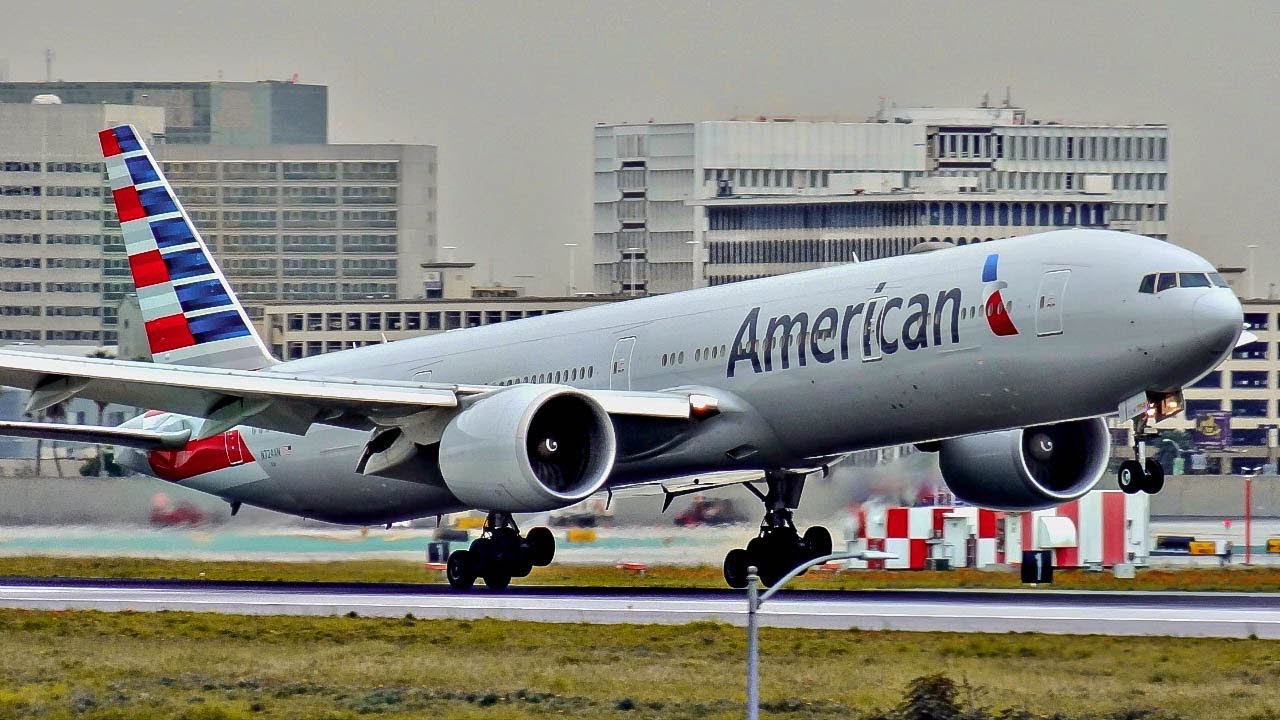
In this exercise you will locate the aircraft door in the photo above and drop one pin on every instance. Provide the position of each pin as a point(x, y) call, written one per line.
point(871, 326)
point(235, 454)
point(620, 368)
point(1053, 286)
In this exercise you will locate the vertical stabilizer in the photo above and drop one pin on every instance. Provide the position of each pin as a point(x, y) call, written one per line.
point(191, 315)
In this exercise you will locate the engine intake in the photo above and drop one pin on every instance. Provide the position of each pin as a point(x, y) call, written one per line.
point(529, 448)
point(1027, 469)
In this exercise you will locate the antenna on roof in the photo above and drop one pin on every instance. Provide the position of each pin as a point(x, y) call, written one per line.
point(1008, 96)
point(48, 65)
point(986, 99)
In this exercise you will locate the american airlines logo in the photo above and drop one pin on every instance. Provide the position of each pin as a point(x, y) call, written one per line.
point(992, 302)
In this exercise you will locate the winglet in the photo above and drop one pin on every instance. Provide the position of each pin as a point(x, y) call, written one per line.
point(191, 316)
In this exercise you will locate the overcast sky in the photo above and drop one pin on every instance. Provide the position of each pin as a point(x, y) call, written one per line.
point(509, 92)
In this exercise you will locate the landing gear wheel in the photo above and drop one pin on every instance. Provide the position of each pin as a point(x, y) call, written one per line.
point(458, 570)
point(541, 545)
point(1154, 482)
point(817, 540)
point(735, 568)
point(1131, 478)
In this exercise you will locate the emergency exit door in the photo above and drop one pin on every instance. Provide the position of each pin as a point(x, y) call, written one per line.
point(1053, 286)
point(620, 367)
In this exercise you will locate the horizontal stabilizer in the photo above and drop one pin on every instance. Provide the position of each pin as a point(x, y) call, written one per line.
point(97, 434)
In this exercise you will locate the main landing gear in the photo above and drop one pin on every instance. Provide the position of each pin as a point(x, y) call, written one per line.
point(779, 547)
point(499, 554)
point(1141, 474)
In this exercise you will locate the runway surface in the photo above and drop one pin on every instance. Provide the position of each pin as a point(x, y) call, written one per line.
point(1046, 611)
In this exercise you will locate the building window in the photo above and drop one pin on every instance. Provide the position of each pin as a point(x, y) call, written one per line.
point(1256, 350)
point(1198, 407)
point(1257, 321)
point(1249, 378)
point(1249, 408)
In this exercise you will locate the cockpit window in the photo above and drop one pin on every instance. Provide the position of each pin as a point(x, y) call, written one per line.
point(1218, 280)
point(1148, 284)
point(1166, 281)
point(1193, 280)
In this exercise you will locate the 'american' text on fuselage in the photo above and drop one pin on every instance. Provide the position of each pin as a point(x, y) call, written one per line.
point(785, 332)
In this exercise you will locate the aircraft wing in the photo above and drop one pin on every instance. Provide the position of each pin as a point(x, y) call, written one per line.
point(268, 399)
point(96, 434)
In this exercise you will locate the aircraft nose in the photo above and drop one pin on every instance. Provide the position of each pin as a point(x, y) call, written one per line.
point(1219, 320)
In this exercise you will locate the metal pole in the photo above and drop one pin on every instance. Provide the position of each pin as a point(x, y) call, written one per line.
point(755, 598)
point(753, 645)
point(1248, 520)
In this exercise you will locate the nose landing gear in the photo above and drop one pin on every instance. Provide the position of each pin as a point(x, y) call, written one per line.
point(499, 554)
point(779, 547)
point(1142, 474)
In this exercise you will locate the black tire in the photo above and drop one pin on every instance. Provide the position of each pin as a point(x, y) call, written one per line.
point(497, 580)
point(458, 570)
point(735, 568)
point(1130, 477)
point(1154, 482)
point(817, 540)
point(481, 551)
point(541, 545)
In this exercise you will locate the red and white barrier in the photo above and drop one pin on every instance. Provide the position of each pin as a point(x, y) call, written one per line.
point(915, 534)
point(1105, 527)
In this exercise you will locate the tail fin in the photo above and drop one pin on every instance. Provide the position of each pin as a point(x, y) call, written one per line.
point(191, 315)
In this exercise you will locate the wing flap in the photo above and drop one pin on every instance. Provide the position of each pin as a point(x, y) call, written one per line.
point(95, 434)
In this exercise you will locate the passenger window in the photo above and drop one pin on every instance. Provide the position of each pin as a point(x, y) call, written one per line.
point(1148, 285)
point(1218, 280)
point(1188, 280)
point(1166, 281)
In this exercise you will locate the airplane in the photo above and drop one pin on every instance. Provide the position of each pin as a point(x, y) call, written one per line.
point(1004, 358)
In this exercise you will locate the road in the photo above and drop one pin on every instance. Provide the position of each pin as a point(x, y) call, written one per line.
point(1046, 611)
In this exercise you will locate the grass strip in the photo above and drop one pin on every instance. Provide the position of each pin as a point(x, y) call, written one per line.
point(95, 666)
point(1235, 579)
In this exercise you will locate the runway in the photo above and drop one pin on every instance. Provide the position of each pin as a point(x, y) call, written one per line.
point(1045, 611)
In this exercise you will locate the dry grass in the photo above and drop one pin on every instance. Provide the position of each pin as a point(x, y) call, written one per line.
point(1255, 579)
point(92, 665)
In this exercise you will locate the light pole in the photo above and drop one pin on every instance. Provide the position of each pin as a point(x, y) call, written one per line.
point(1248, 513)
point(755, 599)
point(1253, 272)
point(572, 248)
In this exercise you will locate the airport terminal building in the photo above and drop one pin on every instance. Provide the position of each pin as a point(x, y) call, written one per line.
point(680, 205)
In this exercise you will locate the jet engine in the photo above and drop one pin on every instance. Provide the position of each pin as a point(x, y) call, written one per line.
point(529, 448)
point(1027, 469)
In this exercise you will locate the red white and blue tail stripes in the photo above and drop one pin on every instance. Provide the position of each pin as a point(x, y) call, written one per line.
point(996, 309)
point(191, 315)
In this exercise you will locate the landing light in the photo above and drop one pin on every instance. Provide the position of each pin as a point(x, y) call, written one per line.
point(702, 407)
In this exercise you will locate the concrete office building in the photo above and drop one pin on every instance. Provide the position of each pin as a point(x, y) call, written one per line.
point(1246, 386)
point(57, 222)
point(681, 205)
point(205, 113)
point(312, 222)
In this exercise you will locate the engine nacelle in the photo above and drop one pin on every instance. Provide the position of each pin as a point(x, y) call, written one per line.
point(1027, 469)
point(529, 448)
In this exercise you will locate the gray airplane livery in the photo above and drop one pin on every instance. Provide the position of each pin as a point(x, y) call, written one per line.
point(1003, 358)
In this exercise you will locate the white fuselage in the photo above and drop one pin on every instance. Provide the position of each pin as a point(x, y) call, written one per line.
point(808, 366)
